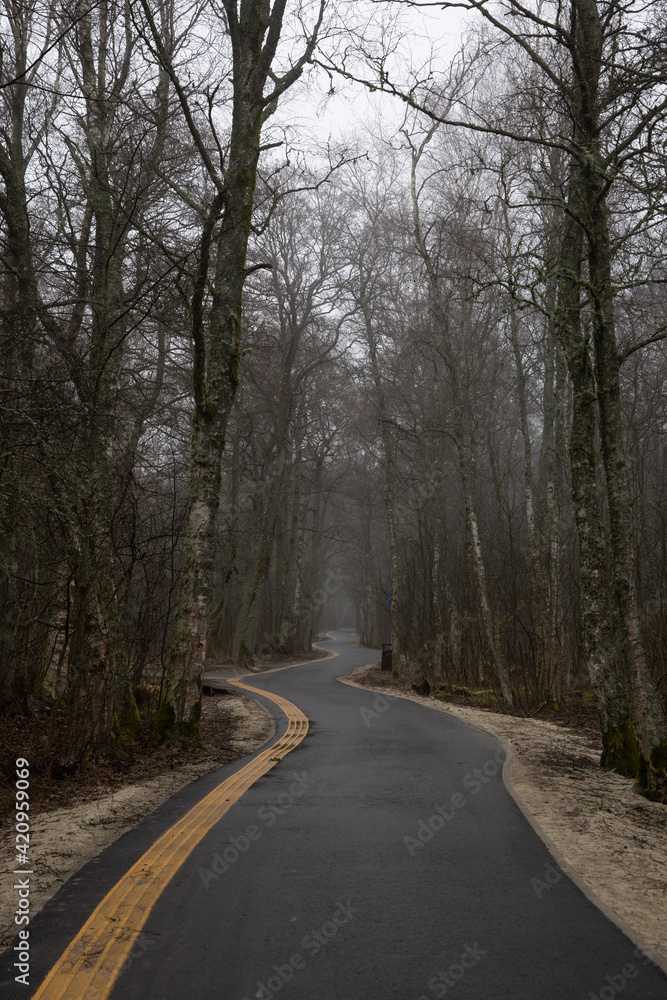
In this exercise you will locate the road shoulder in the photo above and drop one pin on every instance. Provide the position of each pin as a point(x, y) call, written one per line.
point(611, 841)
point(64, 839)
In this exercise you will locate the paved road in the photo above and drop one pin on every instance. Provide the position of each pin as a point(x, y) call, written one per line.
point(383, 859)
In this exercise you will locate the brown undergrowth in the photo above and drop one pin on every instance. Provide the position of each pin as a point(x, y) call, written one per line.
point(54, 785)
point(577, 711)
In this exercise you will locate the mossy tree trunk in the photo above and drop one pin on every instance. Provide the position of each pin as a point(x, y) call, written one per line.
point(647, 725)
point(598, 633)
point(230, 568)
point(254, 30)
point(99, 653)
point(18, 332)
point(89, 343)
point(598, 641)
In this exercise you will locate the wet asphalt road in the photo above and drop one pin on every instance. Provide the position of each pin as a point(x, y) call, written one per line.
point(383, 859)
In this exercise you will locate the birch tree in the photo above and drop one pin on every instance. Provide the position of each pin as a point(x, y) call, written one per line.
point(601, 68)
point(249, 33)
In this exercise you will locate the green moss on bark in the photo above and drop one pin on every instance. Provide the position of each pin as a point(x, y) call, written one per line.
point(659, 759)
point(189, 733)
point(164, 723)
point(622, 754)
point(127, 722)
point(620, 751)
point(652, 780)
point(185, 733)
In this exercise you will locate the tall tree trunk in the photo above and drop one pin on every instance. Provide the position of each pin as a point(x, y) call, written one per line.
point(230, 570)
point(551, 458)
point(648, 717)
point(254, 30)
point(389, 449)
point(543, 676)
point(215, 384)
point(260, 571)
point(463, 436)
point(539, 592)
point(303, 614)
point(649, 721)
point(598, 640)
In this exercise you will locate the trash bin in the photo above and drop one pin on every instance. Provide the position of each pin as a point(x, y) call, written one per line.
point(386, 656)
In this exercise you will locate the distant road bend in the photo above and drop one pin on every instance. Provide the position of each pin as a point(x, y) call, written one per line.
point(370, 852)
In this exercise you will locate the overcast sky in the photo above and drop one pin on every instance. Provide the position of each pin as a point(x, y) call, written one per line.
point(352, 108)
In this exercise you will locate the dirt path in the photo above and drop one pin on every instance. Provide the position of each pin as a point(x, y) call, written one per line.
point(63, 840)
point(614, 840)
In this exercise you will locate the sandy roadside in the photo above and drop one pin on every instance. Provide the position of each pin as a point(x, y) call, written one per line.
point(614, 840)
point(63, 840)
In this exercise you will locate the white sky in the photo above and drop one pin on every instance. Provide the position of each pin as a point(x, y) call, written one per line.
point(321, 118)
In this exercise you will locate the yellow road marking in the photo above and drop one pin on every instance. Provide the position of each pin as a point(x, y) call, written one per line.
point(89, 966)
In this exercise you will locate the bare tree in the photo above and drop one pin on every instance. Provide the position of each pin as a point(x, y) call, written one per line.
point(251, 86)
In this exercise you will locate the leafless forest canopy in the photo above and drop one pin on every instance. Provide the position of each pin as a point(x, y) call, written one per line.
point(253, 385)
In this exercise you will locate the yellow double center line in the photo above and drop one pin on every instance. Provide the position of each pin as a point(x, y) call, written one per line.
point(90, 964)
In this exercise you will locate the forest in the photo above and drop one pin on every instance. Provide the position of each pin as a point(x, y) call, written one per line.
point(408, 380)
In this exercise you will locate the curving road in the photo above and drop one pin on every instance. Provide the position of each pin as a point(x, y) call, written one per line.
point(381, 859)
